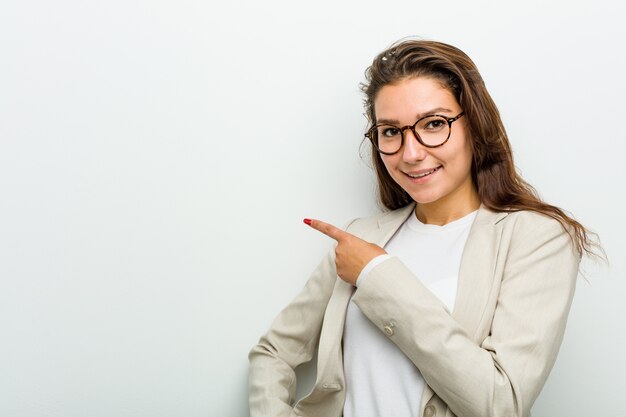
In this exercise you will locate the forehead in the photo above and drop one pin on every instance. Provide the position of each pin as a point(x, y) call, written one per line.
point(413, 97)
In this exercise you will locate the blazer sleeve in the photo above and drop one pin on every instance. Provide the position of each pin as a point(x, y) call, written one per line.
point(503, 374)
point(291, 341)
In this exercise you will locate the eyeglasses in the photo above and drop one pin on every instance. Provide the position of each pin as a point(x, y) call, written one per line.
point(431, 131)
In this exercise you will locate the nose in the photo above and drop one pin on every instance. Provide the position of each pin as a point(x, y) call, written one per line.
point(413, 150)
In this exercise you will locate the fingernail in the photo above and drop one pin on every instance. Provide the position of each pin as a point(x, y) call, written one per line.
point(307, 221)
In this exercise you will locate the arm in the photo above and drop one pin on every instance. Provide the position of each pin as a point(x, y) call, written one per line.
point(503, 374)
point(291, 341)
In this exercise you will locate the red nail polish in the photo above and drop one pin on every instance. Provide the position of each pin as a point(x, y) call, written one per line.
point(307, 221)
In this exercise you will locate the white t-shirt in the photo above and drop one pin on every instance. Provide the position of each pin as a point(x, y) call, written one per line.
point(380, 380)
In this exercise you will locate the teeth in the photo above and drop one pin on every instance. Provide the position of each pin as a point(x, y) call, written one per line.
point(422, 174)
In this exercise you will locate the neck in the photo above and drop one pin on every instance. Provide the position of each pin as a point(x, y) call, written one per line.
point(449, 208)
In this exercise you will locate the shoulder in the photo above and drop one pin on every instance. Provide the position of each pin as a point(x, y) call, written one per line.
point(527, 230)
point(527, 221)
point(521, 227)
point(363, 225)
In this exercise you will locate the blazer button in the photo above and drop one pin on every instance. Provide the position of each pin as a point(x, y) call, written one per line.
point(430, 411)
point(389, 328)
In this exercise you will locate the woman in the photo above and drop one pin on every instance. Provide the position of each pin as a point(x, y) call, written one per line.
point(452, 303)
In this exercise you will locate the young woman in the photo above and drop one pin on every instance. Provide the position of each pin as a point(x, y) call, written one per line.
point(454, 301)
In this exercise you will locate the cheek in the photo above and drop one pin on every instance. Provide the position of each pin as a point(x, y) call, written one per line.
point(389, 163)
point(461, 152)
point(468, 154)
point(464, 161)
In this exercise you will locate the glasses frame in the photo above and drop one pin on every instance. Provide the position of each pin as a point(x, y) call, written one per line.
point(370, 133)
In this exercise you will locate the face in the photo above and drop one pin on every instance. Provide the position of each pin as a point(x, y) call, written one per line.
point(447, 180)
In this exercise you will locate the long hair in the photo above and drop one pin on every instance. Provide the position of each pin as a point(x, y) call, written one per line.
point(500, 188)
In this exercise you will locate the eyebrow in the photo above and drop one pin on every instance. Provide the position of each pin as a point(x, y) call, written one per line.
point(436, 110)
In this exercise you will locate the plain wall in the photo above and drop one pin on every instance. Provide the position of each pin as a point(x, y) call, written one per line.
point(157, 159)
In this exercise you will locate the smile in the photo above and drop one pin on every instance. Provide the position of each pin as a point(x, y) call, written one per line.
point(423, 174)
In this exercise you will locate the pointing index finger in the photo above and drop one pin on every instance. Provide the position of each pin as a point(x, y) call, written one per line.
point(328, 229)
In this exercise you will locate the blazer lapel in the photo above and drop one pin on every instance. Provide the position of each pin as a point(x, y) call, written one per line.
point(329, 362)
point(388, 225)
point(477, 270)
point(476, 276)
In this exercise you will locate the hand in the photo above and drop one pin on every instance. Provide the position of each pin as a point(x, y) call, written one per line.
point(352, 253)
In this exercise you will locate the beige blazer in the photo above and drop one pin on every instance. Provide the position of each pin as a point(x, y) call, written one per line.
point(490, 356)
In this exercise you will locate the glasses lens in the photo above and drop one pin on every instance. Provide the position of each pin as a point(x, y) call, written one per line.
point(388, 138)
point(433, 130)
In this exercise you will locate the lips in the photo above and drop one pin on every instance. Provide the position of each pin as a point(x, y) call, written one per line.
point(422, 172)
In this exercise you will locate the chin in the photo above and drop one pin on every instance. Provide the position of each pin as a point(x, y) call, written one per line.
point(424, 201)
point(424, 198)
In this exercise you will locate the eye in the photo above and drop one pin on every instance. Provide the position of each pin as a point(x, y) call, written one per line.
point(388, 132)
point(435, 124)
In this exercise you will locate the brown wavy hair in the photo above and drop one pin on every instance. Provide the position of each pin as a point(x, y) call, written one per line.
point(499, 186)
